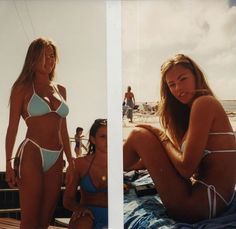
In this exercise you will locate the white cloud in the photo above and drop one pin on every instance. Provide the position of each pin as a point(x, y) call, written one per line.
point(155, 30)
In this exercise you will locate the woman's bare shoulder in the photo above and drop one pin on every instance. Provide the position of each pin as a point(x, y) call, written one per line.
point(19, 92)
point(206, 103)
point(20, 89)
point(62, 90)
point(81, 163)
point(77, 167)
point(205, 110)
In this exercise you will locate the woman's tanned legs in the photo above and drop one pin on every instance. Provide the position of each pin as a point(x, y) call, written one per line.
point(176, 192)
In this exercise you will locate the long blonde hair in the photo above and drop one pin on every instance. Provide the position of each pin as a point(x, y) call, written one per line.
point(174, 115)
point(34, 55)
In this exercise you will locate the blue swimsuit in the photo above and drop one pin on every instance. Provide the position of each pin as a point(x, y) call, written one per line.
point(100, 213)
point(37, 106)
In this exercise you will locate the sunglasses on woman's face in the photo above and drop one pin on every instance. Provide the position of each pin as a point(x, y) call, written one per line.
point(101, 121)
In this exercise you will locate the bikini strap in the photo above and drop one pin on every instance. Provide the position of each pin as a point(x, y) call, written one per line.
point(232, 198)
point(207, 152)
point(91, 162)
point(212, 200)
point(58, 92)
point(20, 154)
point(221, 133)
point(33, 88)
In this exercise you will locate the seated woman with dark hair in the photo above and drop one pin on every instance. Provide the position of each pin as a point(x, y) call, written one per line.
point(90, 173)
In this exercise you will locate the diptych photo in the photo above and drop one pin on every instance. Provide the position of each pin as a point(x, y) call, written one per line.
point(75, 73)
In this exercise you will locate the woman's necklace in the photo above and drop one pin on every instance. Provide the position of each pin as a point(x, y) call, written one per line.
point(104, 178)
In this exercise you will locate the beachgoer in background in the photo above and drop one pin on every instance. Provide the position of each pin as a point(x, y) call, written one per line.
point(124, 109)
point(192, 162)
point(90, 173)
point(39, 159)
point(78, 142)
point(130, 102)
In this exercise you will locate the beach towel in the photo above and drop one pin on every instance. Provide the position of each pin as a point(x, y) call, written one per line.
point(226, 220)
point(149, 212)
point(144, 212)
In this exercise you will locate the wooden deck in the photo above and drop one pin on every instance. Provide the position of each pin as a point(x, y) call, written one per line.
point(62, 222)
point(9, 223)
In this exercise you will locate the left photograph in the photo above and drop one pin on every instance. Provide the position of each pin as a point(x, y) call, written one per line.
point(53, 172)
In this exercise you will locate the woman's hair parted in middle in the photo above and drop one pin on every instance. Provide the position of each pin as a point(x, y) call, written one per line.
point(174, 115)
point(33, 57)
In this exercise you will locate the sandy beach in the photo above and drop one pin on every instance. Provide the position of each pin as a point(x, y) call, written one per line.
point(154, 120)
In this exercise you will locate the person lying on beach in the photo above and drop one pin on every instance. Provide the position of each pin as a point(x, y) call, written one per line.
point(90, 173)
point(192, 162)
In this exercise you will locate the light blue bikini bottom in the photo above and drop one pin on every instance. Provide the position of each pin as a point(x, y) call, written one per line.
point(49, 157)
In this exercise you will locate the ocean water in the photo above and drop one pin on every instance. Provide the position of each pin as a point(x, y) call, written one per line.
point(229, 106)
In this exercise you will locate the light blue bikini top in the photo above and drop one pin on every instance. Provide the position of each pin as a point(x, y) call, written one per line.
point(206, 152)
point(37, 106)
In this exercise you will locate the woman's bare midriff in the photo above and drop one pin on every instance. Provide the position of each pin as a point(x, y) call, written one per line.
point(45, 131)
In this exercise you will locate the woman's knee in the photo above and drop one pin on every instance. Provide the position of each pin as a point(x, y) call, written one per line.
point(143, 137)
point(148, 145)
point(81, 222)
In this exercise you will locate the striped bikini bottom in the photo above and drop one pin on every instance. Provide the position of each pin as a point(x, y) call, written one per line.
point(49, 157)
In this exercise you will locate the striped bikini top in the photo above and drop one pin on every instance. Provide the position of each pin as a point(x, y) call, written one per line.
point(206, 152)
point(37, 106)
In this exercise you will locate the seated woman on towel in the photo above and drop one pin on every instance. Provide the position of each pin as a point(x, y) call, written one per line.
point(90, 173)
point(192, 162)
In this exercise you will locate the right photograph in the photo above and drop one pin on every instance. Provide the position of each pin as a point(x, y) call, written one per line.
point(179, 114)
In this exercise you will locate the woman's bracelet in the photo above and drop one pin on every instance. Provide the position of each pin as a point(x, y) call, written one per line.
point(165, 139)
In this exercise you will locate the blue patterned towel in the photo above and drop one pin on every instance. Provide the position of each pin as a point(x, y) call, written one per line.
point(144, 212)
point(148, 212)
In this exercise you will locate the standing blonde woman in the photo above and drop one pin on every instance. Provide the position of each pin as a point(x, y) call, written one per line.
point(39, 159)
point(192, 162)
